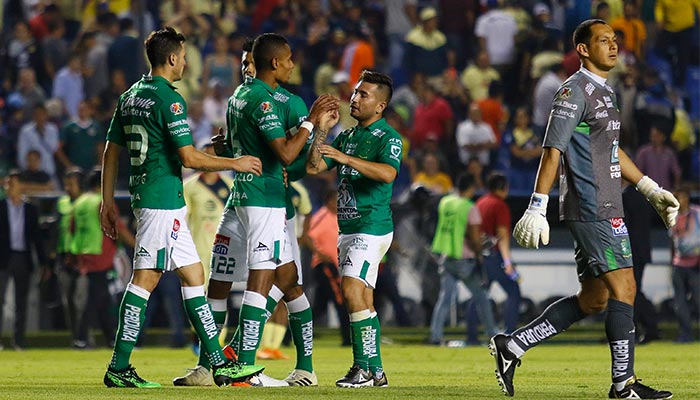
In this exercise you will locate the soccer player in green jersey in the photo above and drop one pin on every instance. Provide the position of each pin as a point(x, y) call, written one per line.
point(150, 120)
point(367, 158)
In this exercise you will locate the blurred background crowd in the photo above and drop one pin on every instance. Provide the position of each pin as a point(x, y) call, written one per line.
point(473, 85)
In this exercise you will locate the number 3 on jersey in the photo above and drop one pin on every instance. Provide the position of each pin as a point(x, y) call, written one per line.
point(137, 139)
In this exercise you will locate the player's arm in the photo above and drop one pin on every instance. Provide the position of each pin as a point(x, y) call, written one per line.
point(195, 159)
point(376, 171)
point(314, 162)
point(110, 168)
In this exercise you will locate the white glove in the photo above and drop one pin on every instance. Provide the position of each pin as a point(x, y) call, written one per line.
point(662, 200)
point(533, 225)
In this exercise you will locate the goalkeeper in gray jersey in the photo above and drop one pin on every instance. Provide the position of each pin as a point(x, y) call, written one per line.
point(583, 136)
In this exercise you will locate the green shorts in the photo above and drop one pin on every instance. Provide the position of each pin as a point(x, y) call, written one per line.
point(600, 246)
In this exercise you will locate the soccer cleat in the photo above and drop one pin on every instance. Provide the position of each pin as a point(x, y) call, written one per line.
point(636, 390)
point(229, 352)
point(300, 377)
point(262, 380)
point(355, 378)
point(233, 371)
point(127, 378)
point(271, 354)
point(198, 376)
point(506, 362)
point(379, 379)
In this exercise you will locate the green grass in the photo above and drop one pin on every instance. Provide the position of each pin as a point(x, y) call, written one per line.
point(551, 371)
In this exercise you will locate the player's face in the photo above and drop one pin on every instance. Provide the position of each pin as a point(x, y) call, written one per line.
point(366, 101)
point(602, 49)
point(285, 65)
point(180, 63)
point(247, 66)
point(72, 186)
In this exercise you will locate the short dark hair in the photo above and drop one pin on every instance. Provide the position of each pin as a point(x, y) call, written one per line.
point(583, 33)
point(94, 179)
point(74, 172)
point(464, 182)
point(161, 44)
point(266, 47)
point(385, 83)
point(496, 181)
point(247, 45)
point(14, 173)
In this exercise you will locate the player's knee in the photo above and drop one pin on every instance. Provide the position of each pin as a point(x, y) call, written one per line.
point(293, 293)
point(594, 305)
point(218, 289)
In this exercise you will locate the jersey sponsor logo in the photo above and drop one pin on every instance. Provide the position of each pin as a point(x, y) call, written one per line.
point(177, 108)
point(378, 133)
point(138, 102)
point(621, 356)
point(395, 151)
point(180, 131)
point(239, 103)
point(346, 264)
point(221, 244)
point(625, 247)
point(601, 114)
point(618, 226)
point(564, 93)
point(566, 104)
point(346, 170)
point(358, 243)
point(143, 252)
point(176, 123)
point(563, 114)
point(608, 102)
point(347, 205)
point(615, 171)
point(176, 229)
point(137, 180)
point(270, 125)
point(243, 177)
point(613, 126)
point(589, 88)
point(280, 97)
point(599, 104)
point(260, 248)
point(266, 107)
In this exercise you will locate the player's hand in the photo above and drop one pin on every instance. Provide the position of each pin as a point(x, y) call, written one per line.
point(248, 164)
point(108, 220)
point(533, 225)
point(219, 142)
point(328, 120)
point(665, 203)
point(323, 103)
point(333, 153)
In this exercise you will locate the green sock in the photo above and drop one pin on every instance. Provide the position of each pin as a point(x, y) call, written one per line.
point(375, 361)
point(302, 326)
point(132, 312)
point(219, 320)
point(362, 347)
point(202, 320)
point(251, 324)
point(235, 342)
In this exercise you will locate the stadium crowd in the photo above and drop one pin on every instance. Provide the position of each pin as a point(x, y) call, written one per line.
point(474, 80)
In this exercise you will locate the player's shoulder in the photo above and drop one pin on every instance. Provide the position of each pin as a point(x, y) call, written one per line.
point(383, 130)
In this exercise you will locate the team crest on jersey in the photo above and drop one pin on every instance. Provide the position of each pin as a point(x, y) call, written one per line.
point(176, 229)
point(266, 107)
point(618, 226)
point(177, 108)
point(564, 93)
point(221, 243)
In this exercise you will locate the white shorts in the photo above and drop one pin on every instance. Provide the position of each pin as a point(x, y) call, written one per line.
point(294, 245)
point(266, 231)
point(163, 240)
point(229, 252)
point(359, 255)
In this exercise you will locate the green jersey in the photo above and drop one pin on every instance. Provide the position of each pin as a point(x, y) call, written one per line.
point(363, 204)
point(64, 206)
point(87, 234)
point(253, 120)
point(151, 122)
point(78, 139)
point(453, 213)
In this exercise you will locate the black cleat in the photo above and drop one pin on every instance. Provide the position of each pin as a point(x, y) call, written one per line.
point(379, 379)
point(127, 378)
point(355, 378)
point(233, 372)
point(506, 362)
point(636, 390)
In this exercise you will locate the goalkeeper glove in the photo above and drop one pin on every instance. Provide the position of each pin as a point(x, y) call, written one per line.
point(533, 225)
point(665, 204)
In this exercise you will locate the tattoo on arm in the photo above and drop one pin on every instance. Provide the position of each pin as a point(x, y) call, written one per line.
point(314, 154)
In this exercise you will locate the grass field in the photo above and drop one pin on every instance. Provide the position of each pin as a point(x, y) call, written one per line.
point(560, 370)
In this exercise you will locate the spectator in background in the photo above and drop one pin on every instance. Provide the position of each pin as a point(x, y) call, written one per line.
point(493, 111)
point(525, 151)
point(408, 95)
point(107, 102)
point(542, 97)
point(215, 103)
point(433, 116)
point(56, 48)
point(475, 138)
point(686, 263)
point(658, 160)
point(675, 20)
point(602, 10)
point(42, 136)
point(358, 54)
point(125, 54)
point(20, 241)
point(200, 125)
point(476, 169)
point(68, 85)
point(193, 27)
point(431, 176)
point(477, 77)
point(221, 65)
point(96, 57)
point(633, 27)
point(401, 17)
point(426, 46)
point(21, 52)
point(34, 179)
point(81, 141)
point(28, 93)
point(456, 95)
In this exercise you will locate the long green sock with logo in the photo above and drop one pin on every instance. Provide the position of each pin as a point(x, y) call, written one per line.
point(302, 326)
point(250, 325)
point(218, 310)
point(132, 312)
point(202, 320)
point(375, 360)
point(272, 299)
point(361, 327)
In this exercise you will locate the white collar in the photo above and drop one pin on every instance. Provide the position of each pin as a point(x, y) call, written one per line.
point(596, 78)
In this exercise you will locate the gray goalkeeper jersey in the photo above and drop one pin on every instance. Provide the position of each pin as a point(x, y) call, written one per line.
point(584, 124)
